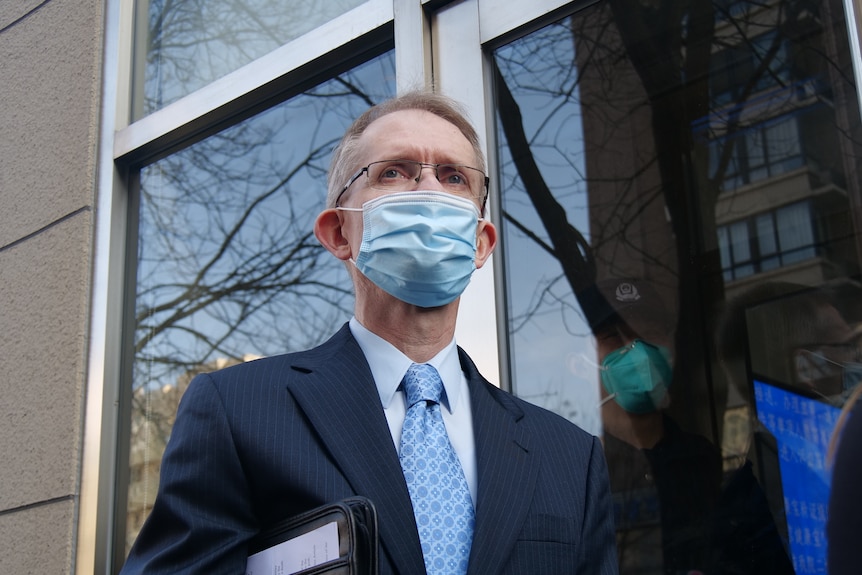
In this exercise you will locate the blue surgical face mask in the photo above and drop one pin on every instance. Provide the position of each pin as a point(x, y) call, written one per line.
point(637, 376)
point(418, 246)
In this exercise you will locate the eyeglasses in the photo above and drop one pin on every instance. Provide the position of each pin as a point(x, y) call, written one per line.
point(403, 175)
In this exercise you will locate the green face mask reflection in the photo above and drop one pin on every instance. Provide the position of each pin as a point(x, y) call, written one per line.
point(637, 376)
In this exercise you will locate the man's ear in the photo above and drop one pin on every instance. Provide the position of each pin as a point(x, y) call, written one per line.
point(329, 232)
point(486, 240)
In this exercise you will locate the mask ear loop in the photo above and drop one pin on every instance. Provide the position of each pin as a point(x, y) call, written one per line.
point(607, 399)
point(583, 357)
point(600, 367)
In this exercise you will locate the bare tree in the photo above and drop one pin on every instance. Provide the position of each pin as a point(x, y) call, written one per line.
point(187, 44)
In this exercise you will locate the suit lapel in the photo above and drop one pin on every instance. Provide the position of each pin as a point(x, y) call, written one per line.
point(507, 473)
point(336, 391)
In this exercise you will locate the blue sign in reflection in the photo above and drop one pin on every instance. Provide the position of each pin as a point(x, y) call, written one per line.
point(802, 427)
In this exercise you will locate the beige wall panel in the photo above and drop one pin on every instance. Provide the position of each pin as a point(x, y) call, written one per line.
point(12, 11)
point(49, 63)
point(43, 319)
point(37, 540)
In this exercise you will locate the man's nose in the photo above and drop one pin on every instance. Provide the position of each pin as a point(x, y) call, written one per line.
point(427, 179)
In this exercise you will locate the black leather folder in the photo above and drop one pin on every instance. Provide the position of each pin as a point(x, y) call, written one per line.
point(356, 521)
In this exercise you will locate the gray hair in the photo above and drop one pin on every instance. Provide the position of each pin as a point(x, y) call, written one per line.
point(346, 154)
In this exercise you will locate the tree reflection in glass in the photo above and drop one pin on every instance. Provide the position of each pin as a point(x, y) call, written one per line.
point(191, 43)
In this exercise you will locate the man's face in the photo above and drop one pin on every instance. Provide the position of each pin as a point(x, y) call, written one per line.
point(408, 135)
point(412, 135)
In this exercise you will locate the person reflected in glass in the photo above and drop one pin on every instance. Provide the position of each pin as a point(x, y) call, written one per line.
point(665, 481)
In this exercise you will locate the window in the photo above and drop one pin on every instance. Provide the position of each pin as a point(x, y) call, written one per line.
point(768, 241)
point(750, 66)
point(757, 153)
point(545, 321)
point(189, 44)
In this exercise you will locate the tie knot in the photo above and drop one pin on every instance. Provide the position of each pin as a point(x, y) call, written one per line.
point(422, 383)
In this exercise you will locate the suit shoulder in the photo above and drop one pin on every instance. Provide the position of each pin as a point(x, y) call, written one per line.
point(282, 366)
point(251, 370)
point(540, 417)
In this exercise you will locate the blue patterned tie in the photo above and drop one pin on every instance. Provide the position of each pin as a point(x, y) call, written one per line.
point(438, 489)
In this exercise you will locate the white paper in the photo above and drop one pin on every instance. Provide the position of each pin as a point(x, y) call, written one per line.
point(301, 552)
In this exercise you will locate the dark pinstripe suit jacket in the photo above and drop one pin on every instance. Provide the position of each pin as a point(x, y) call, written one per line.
point(265, 440)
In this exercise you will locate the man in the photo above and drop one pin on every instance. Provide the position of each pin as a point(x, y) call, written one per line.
point(256, 443)
point(665, 481)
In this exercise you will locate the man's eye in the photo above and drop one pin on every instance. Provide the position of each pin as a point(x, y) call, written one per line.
point(610, 338)
point(392, 173)
point(452, 177)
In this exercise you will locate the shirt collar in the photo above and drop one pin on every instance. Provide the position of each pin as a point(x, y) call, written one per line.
point(388, 366)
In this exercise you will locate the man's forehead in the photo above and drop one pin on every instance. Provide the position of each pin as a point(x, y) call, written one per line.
point(408, 133)
point(409, 118)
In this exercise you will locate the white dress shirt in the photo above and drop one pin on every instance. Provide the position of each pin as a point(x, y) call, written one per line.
point(388, 366)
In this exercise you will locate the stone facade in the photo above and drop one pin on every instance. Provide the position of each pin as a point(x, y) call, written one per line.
point(50, 62)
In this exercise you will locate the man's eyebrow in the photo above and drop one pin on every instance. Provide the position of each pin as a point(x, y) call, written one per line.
point(413, 153)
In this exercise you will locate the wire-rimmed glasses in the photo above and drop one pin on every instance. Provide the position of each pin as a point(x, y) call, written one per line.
point(403, 175)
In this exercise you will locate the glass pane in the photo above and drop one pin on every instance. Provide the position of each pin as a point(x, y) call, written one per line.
point(766, 243)
point(770, 50)
point(783, 145)
point(739, 242)
point(795, 233)
point(189, 44)
point(755, 156)
point(619, 126)
point(553, 357)
point(724, 247)
point(228, 265)
point(766, 235)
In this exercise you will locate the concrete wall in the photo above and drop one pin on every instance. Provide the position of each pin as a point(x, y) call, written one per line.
point(50, 65)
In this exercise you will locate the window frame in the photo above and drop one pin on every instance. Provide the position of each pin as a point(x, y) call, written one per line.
point(258, 85)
